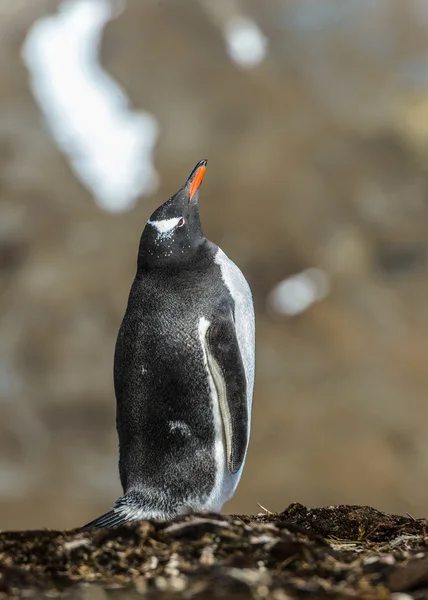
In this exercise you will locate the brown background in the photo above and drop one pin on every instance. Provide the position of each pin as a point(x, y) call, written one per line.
point(317, 158)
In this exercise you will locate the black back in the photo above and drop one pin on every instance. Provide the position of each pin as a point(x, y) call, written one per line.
point(164, 413)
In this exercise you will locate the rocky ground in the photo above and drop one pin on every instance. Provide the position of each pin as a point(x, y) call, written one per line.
point(334, 552)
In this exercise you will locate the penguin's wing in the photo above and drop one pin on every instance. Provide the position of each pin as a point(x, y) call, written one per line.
point(227, 369)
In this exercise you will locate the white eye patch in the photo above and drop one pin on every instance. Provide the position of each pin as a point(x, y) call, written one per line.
point(166, 225)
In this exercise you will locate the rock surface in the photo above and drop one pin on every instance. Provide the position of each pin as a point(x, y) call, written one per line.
point(334, 552)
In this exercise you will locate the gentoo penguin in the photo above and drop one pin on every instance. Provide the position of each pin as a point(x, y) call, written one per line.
point(183, 370)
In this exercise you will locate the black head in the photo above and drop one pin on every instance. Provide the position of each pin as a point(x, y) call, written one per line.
point(173, 233)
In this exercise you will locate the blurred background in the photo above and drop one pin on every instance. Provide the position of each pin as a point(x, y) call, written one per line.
point(313, 115)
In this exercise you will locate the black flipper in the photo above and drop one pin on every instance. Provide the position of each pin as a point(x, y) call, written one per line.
point(109, 519)
point(227, 370)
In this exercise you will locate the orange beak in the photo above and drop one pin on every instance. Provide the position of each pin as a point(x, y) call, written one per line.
point(196, 177)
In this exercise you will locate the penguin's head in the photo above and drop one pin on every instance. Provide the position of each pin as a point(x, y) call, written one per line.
point(173, 233)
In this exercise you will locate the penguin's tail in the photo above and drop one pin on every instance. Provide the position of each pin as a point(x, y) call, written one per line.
point(133, 506)
point(109, 519)
point(120, 514)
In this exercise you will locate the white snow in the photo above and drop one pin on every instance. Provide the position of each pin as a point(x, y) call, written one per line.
point(295, 294)
point(246, 44)
point(108, 145)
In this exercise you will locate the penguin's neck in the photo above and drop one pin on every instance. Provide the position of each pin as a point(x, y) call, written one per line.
point(197, 260)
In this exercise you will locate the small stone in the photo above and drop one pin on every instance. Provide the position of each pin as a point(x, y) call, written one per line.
point(280, 595)
point(178, 584)
point(93, 592)
point(141, 585)
point(161, 583)
point(207, 556)
point(73, 544)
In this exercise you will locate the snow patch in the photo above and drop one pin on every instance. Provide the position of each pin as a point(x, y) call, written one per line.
point(295, 294)
point(246, 44)
point(109, 147)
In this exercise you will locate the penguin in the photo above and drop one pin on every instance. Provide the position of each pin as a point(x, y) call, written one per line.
point(183, 370)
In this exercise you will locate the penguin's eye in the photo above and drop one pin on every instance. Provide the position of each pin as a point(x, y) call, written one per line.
point(180, 222)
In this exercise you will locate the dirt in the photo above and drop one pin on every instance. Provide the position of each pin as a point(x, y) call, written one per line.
point(332, 552)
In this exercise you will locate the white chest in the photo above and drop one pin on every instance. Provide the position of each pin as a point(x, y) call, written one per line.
point(225, 483)
point(244, 316)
